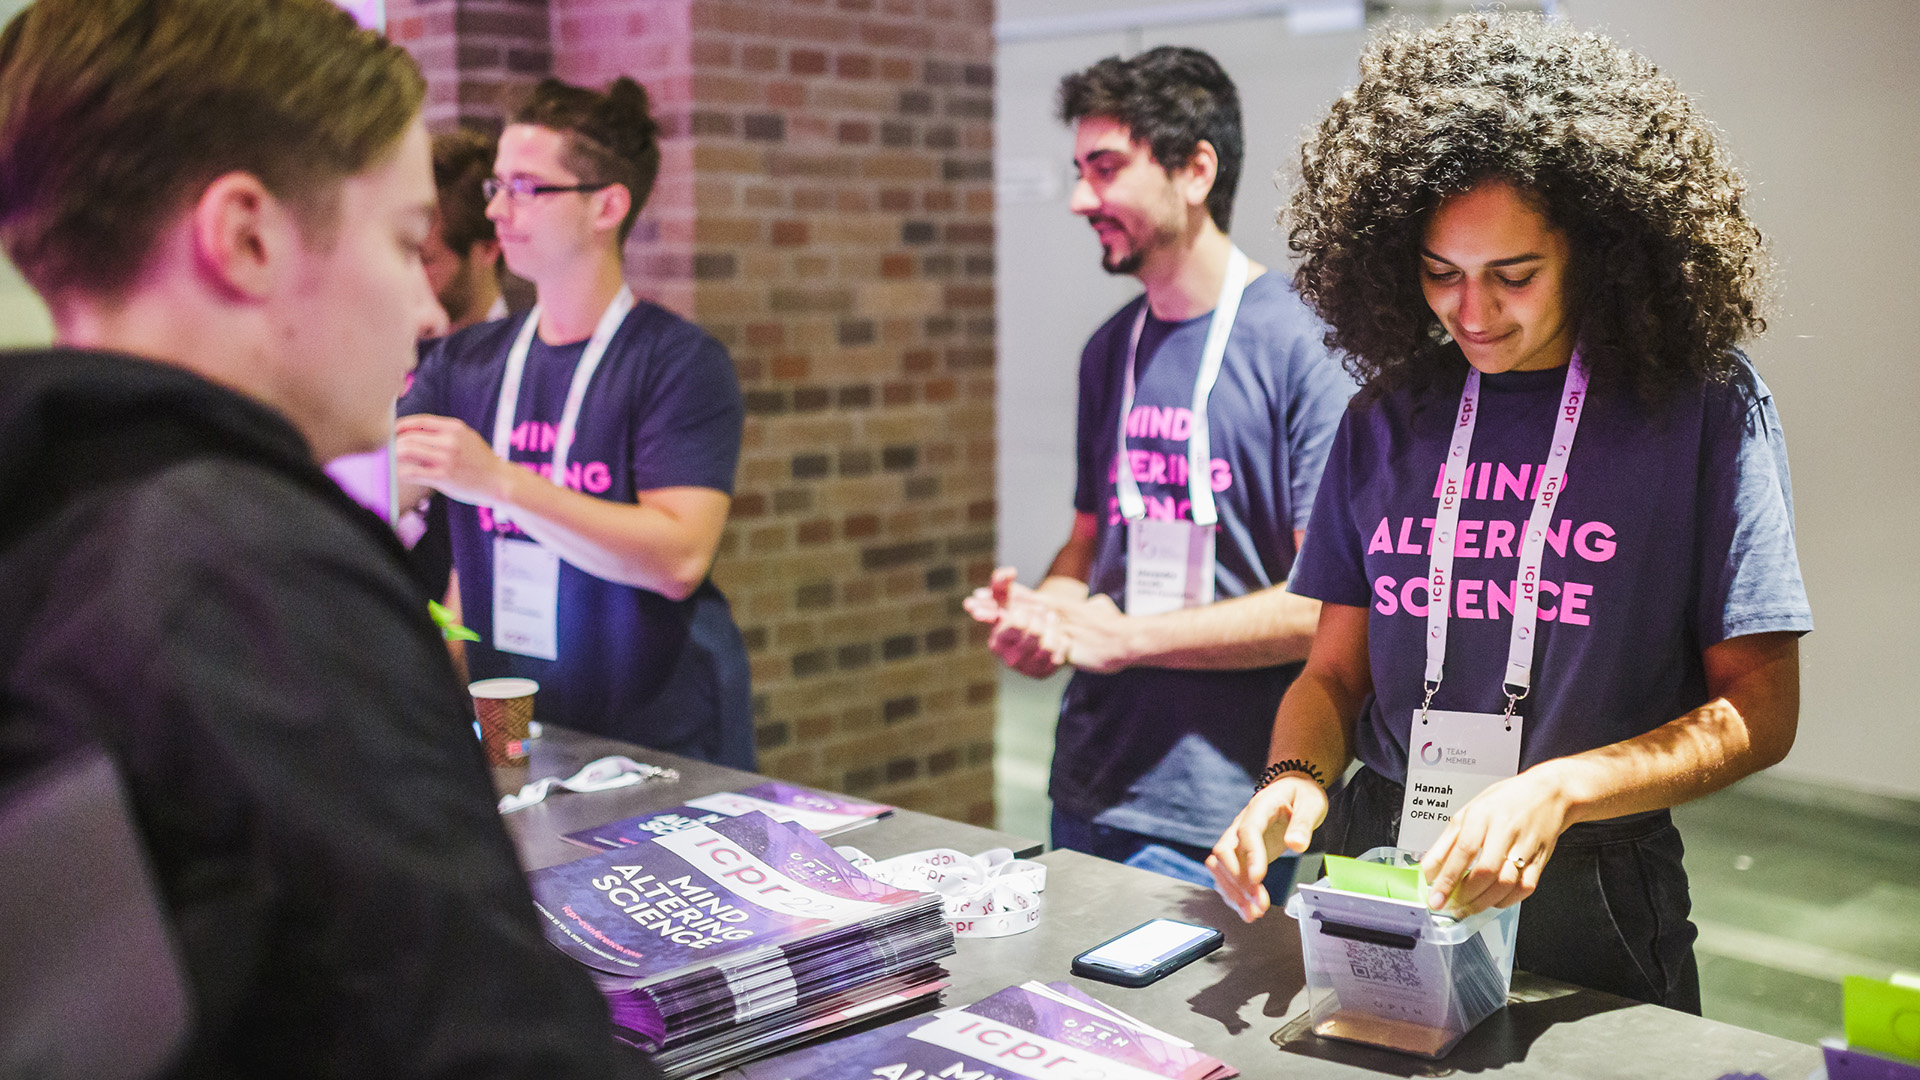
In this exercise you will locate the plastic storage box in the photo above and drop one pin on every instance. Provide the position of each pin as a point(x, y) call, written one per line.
point(1392, 974)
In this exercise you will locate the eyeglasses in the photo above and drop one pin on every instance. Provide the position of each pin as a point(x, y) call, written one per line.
point(524, 189)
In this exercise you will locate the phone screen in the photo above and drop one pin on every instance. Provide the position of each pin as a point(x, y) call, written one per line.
point(1148, 945)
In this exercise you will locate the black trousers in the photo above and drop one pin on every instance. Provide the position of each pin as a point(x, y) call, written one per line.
point(1610, 912)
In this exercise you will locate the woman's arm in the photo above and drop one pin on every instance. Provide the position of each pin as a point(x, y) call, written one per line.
point(1748, 725)
point(1314, 725)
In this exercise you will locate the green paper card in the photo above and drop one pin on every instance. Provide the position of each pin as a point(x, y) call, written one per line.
point(1882, 1018)
point(1374, 879)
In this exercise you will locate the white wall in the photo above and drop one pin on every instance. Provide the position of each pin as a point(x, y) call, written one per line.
point(1052, 292)
point(1816, 99)
point(23, 319)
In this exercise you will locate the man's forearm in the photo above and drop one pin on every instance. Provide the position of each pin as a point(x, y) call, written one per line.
point(644, 545)
point(1261, 629)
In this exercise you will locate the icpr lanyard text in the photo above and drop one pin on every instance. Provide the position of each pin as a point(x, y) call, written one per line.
point(1453, 490)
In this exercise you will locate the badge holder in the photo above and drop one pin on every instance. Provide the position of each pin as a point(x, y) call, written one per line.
point(1451, 757)
point(1169, 566)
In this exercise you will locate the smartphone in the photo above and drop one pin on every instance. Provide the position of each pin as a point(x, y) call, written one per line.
point(1148, 952)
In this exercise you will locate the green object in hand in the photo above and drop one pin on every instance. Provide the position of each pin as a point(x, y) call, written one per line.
point(1881, 1017)
point(1374, 879)
point(450, 628)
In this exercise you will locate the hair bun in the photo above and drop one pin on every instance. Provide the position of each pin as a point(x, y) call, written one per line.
point(629, 118)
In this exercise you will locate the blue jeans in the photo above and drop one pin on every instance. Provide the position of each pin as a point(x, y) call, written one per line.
point(1168, 857)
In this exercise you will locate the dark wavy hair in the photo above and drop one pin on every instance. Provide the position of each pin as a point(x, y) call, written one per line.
point(1170, 98)
point(462, 159)
point(612, 138)
point(1667, 273)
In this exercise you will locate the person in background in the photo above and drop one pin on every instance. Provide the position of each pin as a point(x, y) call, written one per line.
point(223, 204)
point(589, 450)
point(462, 254)
point(1554, 544)
point(462, 257)
point(1206, 407)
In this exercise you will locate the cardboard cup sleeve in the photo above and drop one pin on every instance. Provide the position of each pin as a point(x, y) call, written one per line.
point(504, 708)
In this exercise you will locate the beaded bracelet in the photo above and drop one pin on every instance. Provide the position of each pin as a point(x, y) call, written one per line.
point(1280, 768)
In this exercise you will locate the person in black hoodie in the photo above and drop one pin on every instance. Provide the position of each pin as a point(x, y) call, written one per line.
point(223, 204)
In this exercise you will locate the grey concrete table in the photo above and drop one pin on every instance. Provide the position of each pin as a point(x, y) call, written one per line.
point(1246, 1003)
point(536, 831)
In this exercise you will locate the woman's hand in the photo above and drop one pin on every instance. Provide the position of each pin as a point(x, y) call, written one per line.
point(1280, 818)
point(1492, 852)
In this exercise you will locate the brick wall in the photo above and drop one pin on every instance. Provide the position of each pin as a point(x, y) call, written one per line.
point(825, 209)
point(477, 54)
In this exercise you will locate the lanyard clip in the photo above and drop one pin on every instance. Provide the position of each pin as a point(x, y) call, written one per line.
point(1427, 702)
point(1513, 702)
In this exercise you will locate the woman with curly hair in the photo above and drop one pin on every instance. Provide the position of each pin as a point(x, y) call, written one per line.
point(1554, 542)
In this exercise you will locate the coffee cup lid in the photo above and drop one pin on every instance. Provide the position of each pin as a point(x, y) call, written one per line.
point(503, 688)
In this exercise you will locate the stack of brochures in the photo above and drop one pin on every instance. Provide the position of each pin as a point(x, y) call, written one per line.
point(734, 939)
point(819, 812)
point(1042, 1031)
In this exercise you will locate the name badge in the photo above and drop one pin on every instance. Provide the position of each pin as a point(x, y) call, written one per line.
point(526, 599)
point(1169, 566)
point(1450, 759)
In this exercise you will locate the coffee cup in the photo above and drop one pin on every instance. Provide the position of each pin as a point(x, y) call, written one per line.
point(504, 708)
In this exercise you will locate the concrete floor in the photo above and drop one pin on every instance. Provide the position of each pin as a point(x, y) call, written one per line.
point(1793, 886)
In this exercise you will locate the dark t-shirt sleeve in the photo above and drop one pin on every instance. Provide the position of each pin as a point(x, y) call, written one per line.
point(1317, 400)
point(689, 435)
point(426, 389)
point(1750, 579)
point(1331, 567)
point(1097, 437)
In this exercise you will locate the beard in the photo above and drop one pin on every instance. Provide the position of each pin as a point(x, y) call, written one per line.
point(1138, 248)
point(1125, 264)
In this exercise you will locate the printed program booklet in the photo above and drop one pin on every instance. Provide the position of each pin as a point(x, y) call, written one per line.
point(728, 940)
point(821, 813)
point(1037, 1031)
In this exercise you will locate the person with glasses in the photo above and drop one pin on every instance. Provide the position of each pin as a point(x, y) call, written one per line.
point(589, 449)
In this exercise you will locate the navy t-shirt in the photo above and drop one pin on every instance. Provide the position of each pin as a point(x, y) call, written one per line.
point(1674, 532)
point(1166, 753)
point(663, 410)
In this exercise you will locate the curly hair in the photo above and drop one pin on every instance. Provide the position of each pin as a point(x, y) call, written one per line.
point(1667, 273)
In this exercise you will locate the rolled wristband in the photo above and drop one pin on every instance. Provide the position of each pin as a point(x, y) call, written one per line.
point(1280, 768)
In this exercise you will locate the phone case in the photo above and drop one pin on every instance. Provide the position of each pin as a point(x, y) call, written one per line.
point(1120, 977)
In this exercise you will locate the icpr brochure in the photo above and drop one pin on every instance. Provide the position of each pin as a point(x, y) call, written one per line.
point(712, 927)
point(819, 812)
point(1035, 1031)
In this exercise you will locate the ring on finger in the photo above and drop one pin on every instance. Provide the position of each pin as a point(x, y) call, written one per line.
point(1519, 862)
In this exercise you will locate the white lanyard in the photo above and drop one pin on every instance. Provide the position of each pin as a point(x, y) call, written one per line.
point(576, 391)
point(1526, 599)
point(1199, 444)
point(991, 894)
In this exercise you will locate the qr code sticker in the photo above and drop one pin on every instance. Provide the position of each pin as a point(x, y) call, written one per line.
point(1381, 964)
